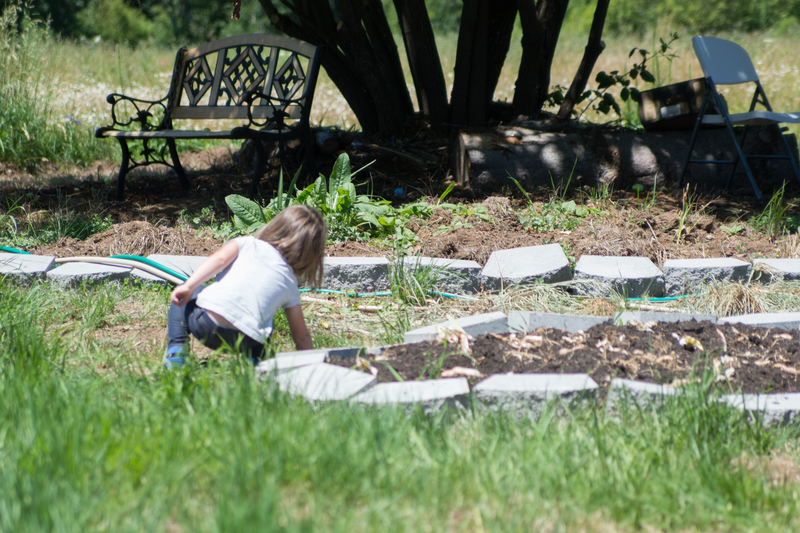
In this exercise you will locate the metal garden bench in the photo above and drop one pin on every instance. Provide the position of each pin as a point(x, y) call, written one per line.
point(265, 82)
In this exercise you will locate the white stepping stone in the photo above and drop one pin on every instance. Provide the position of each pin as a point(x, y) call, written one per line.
point(289, 361)
point(73, 274)
point(774, 409)
point(527, 321)
point(531, 393)
point(642, 317)
point(475, 325)
point(637, 394)
point(24, 267)
point(684, 276)
point(454, 276)
point(324, 382)
point(765, 320)
point(431, 395)
point(784, 269)
point(629, 276)
point(529, 264)
point(363, 274)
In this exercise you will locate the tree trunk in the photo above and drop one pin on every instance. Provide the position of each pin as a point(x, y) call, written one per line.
point(594, 47)
point(361, 58)
point(483, 41)
point(459, 97)
point(541, 26)
point(423, 59)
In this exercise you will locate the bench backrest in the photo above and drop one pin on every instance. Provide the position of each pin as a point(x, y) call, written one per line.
point(214, 80)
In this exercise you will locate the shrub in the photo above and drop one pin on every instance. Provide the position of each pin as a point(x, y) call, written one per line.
point(115, 21)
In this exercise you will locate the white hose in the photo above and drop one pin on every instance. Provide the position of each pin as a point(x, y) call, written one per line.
point(122, 262)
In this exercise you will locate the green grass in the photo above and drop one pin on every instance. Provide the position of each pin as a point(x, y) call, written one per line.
point(32, 130)
point(95, 436)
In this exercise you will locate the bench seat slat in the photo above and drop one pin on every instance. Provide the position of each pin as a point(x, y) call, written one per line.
point(168, 134)
point(229, 112)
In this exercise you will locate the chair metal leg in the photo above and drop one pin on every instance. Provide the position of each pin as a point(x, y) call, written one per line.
point(176, 163)
point(741, 155)
point(123, 169)
point(736, 161)
point(693, 139)
point(790, 154)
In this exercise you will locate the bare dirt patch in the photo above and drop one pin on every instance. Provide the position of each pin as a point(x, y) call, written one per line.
point(627, 225)
point(744, 358)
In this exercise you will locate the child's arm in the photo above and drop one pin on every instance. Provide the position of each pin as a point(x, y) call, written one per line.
point(297, 325)
point(216, 263)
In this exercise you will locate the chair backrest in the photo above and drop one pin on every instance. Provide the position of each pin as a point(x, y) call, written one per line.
point(725, 62)
point(214, 80)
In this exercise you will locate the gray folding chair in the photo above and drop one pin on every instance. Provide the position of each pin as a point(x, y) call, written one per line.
point(727, 63)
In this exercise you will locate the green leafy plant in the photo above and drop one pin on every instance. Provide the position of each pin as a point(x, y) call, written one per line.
point(554, 215)
point(601, 99)
point(734, 229)
point(348, 215)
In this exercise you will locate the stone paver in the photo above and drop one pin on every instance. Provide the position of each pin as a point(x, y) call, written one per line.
point(73, 274)
point(24, 267)
point(684, 276)
point(530, 264)
point(184, 264)
point(776, 408)
point(454, 276)
point(475, 325)
point(290, 360)
point(363, 274)
point(629, 276)
point(637, 393)
point(531, 393)
point(527, 321)
point(642, 317)
point(324, 382)
point(430, 395)
point(766, 269)
point(765, 320)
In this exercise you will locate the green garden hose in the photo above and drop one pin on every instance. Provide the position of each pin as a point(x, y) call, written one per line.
point(13, 250)
point(125, 263)
point(153, 264)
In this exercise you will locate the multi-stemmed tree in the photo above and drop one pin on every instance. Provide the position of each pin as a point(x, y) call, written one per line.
point(364, 63)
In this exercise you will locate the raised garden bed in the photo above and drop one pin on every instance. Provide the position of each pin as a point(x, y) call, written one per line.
point(745, 359)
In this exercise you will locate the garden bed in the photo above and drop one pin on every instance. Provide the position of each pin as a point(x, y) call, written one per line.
point(743, 358)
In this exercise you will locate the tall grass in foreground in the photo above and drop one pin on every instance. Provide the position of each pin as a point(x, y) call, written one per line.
point(212, 449)
point(30, 130)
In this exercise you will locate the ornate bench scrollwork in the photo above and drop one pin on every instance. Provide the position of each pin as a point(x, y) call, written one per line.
point(266, 82)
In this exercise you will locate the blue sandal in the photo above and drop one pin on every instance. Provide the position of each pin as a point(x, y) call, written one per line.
point(174, 357)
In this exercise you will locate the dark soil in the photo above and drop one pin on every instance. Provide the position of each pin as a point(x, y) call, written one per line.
point(744, 358)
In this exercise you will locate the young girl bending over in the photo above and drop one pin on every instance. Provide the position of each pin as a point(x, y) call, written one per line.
point(257, 276)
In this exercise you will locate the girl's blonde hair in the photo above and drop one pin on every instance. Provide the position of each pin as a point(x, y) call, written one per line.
point(298, 233)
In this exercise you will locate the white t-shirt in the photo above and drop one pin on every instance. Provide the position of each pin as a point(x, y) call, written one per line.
point(251, 290)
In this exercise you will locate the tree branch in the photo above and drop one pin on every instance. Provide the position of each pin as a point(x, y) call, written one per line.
point(594, 48)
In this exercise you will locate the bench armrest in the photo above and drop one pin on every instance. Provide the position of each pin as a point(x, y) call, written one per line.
point(145, 112)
